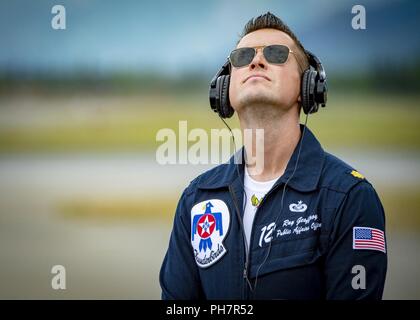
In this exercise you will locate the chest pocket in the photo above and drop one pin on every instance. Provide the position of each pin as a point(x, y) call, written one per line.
point(295, 242)
point(285, 255)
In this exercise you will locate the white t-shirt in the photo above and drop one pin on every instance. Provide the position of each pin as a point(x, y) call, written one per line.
point(255, 191)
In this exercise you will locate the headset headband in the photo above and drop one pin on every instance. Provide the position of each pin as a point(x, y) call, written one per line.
point(224, 70)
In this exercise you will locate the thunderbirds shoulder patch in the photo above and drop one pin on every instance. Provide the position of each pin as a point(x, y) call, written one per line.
point(210, 221)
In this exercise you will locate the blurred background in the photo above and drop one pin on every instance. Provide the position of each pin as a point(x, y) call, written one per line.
point(80, 109)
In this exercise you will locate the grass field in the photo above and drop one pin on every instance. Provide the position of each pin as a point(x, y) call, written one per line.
point(131, 123)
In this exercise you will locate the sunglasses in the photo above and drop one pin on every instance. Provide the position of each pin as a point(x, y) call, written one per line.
point(274, 54)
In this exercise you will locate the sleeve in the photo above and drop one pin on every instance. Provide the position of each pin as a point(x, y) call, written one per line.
point(179, 277)
point(356, 273)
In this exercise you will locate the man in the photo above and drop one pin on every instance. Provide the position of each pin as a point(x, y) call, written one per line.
point(311, 226)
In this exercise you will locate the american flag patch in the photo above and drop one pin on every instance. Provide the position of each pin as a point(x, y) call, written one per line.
point(365, 238)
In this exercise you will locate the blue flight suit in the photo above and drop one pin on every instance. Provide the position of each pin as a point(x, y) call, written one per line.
point(312, 241)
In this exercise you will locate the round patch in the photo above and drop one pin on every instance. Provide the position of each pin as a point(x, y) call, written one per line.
point(206, 225)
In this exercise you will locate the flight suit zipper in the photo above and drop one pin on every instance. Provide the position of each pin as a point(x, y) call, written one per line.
point(238, 214)
point(247, 252)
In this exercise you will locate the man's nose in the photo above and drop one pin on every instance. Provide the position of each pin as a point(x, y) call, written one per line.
point(258, 61)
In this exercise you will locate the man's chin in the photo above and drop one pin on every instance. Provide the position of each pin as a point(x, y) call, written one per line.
point(257, 99)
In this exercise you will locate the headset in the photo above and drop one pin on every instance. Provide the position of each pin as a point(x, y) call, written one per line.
point(313, 88)
point(313, 94)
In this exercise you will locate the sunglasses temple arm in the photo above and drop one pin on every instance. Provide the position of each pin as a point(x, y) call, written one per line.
point(297, 60)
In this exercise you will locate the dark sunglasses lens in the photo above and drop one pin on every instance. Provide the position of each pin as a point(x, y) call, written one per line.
point(242, 57)
point(276, 54)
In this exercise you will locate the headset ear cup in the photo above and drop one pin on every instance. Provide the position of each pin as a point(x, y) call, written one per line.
point(217, 91)
point(308, 91)
point(304, 91)
point(226, 110)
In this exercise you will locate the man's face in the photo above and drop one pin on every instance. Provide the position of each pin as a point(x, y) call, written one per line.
point(262, 83)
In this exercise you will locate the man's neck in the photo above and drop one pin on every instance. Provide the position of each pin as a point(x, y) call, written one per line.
point(280, 136)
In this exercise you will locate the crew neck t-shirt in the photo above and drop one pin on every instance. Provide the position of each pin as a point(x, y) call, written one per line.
point(254, 191)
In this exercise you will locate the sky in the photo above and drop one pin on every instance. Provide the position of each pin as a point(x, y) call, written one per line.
point(173, 37)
